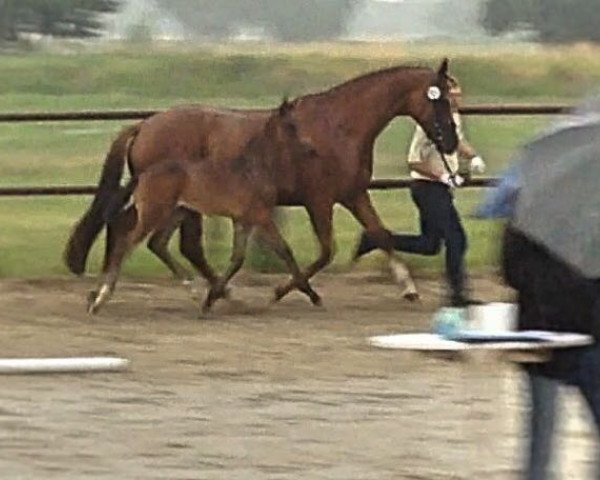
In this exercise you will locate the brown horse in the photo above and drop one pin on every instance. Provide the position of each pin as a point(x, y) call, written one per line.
point(243, 188)
point(341, 124)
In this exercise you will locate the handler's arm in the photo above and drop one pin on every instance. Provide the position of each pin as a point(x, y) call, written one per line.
point(426, 171)
point(420, 156)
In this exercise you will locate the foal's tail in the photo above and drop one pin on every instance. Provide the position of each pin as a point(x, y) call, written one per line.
point(89, 226)
point(118, 200)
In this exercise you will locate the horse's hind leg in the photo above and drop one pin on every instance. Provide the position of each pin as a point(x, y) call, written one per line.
point(270, 234)
point(241, 233)
point(363, 210)
point(190, 244)
point(159, 241)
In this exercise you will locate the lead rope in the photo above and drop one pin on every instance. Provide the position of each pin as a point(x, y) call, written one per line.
point(438, 133)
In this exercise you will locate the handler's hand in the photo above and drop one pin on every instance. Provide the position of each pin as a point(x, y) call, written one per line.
point(477, 165)
point(452, 181)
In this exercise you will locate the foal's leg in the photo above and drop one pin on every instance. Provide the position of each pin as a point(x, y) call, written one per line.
point(159, 241)
point(218, 290)
point(133, 224)
point(270, 234)
point(321, 217)
point(122, 235)
point(363, 210)
point(190, 245)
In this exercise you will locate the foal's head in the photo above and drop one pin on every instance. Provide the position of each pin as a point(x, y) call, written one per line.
point(432, 110)
point(282, 133)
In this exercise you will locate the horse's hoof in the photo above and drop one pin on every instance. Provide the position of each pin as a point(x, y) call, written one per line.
point(411, 296)
point(212, 296)
point(278, 294)
point(316, 299)
point(273, 300)
point(217, 292)
point(208, 303)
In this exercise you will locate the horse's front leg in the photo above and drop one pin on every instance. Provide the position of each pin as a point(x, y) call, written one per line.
point(363, 210)
point(321, 218)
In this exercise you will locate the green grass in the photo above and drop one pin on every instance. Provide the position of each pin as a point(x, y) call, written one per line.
point(158, 77)
point(33, 230)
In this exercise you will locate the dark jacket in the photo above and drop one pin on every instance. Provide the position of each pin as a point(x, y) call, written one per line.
point(551, 296)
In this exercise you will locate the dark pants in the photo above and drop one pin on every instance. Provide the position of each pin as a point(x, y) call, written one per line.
point(543, 413)
point(439, 223)
point(585, 375)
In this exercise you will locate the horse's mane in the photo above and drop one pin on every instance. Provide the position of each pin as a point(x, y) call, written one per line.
point(362, 78)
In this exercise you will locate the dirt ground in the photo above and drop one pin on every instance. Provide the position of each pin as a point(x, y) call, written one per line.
point(258, 392)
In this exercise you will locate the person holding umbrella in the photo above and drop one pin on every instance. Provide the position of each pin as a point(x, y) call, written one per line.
point(434, 177)
point(550, 256)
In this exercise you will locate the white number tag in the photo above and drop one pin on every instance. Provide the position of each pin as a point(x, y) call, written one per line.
point(434, 93)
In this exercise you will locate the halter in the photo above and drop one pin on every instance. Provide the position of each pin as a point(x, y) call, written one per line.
point(434, 94)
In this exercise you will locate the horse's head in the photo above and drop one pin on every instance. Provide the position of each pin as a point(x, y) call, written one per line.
point(432, 110)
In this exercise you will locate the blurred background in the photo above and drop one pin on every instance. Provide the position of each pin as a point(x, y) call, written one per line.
point(61, 55)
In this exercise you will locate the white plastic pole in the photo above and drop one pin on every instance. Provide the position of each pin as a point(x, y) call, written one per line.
point(62, 365)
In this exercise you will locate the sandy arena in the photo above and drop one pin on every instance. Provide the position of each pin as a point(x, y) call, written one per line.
point(254, 392)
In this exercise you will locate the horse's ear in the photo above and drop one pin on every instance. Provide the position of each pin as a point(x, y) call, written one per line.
point(285, 107)
point(443, 68)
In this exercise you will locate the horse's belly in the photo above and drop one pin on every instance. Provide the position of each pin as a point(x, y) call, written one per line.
point(212, 195)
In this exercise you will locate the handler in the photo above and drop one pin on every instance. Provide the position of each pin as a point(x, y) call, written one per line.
point(431, 191)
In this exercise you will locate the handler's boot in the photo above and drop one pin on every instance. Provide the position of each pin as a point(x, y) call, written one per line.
point(363, 246)
point(460, 300)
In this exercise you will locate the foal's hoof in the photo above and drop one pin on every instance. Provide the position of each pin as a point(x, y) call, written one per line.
point(411, 296)
point(279, 293)
point(226, 293)
point(92, 308)
point(205, 310)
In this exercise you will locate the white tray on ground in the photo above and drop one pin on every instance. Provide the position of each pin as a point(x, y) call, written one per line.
point(522, 341)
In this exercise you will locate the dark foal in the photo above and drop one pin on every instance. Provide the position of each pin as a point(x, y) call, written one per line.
point(242, 188)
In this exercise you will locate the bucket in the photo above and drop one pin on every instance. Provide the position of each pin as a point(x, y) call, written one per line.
point(493, 317)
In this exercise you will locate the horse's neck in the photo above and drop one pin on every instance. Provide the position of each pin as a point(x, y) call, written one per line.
point(364, 107)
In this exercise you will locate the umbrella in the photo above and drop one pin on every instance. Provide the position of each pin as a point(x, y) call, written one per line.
point(557, 176)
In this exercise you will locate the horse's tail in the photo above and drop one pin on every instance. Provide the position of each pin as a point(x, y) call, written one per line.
point(89, 226)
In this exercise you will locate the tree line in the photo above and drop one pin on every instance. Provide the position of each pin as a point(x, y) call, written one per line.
point(290, 20)
point(550, 20)
point(56, 18)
